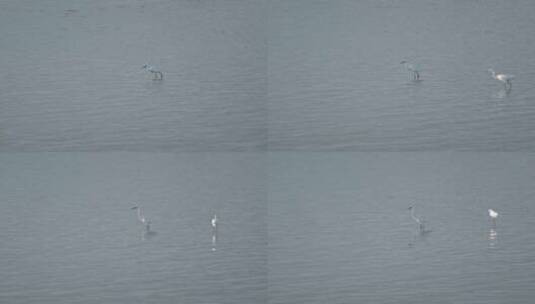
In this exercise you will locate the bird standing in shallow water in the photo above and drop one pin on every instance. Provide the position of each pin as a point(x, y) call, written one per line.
point(214, 221)
point(505, 78)
point(214, 232)
point(142, 218)
point(412, 70)
point(493, 215)
point(420, 222)
point(158, 75)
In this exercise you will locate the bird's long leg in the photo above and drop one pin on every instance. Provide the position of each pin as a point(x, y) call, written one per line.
point(161, 75)
point(140, 216)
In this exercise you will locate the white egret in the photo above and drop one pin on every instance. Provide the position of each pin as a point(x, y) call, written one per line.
point(505, 78)
point(493, 215)
point(214, 232)
point(142, 218)
point(158, 75)
point(420, 222)
point(214, 221)
point(412, 70)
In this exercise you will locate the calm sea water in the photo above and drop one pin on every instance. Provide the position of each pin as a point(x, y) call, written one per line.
point(340, 231)
point(72, 77)
point(240, 75)
point(68, 234)
point(250, 76)
point(307, 227)
point(335, 82)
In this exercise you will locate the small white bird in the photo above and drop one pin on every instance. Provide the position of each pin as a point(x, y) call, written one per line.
point(214, 221)
point(493, 214)
point(412, 70)
point(505, 78)
point(158, 75)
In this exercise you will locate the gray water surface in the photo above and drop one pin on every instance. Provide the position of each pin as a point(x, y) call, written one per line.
point(340, 231)
point(335, 82)
point(239, 75)
point(72, 77)
point(246, 77)
point(68, 234)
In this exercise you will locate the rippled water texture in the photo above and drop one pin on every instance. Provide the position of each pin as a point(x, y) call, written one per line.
point(72, 77)
point(336, 82)
point(69, 236)
point(340, 231)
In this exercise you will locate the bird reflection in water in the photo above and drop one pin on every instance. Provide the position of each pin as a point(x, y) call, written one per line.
point(214, 241)
point(493, 237)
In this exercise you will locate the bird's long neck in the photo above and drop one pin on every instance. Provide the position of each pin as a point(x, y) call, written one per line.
point(493, 73)
point(140, 215)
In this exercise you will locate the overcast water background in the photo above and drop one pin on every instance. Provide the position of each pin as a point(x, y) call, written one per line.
point(340, 231)
point(69, 236)
point(336, 83)
point(72, 75)
point(259, 78)
point(240, 75)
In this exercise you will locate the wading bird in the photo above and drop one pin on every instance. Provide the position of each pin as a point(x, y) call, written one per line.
point(493, 215)
point(156, 73)
point(142, 218)
point(505, 78)
point(412, 70)
point(214, 221)
point(214, 232)
point(420, 222)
